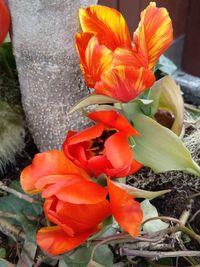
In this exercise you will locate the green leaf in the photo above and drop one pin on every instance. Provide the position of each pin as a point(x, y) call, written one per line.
point(139, 193)
point(7, 40)
point(159, 148)
point(7, 60)
point(104, 256)
point(62, 264)
point(81, 257)
point(29, 228)
point(4, 263)
point(94, 264)
point(166, 65)
point(13, 204)
point(143, 101)
point(107, 229)
point(92, 100)
point(2, 252)
point(166, 95)
point(49, 261)
point(144, 105)
point(21, 210)
point(27, 254)
point(149, 211)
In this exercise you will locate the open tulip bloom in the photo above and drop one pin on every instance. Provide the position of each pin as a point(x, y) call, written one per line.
point(111, 63)
point(74, 203)
point(104, 147)
point(78, 183)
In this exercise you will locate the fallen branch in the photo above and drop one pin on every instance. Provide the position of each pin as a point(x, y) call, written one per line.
point(194, 216)
point(156, 255)
point(11, 230)
point(19, 194)
point(177, 228)
point(184, 217)
point(10, 215)
point(164, 218)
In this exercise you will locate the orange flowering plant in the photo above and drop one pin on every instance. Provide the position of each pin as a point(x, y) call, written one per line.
point(111, 64)
point(104, 147)
point(82, 184)
point(74, 203)
point(4, 21)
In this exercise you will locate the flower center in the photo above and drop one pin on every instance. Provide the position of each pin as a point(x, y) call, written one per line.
point(97, 145)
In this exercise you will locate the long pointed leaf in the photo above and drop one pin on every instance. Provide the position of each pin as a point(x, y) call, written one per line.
point(160, 149)
point(139, 193)
point(92, 100)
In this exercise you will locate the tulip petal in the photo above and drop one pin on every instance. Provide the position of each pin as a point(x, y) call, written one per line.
point(112, 119)
point(87, 134)
point(82, 217)
point(78, 153)
point(75, 218)
point(71, 188)
point(107, 24)
point(50, 213)
point(119, 172)
point(118, 151)
point(124, 83)
point(82, 39)
point(154, 34)
point(53, 240)
point(128, 57)
point(56, 179)
point(82, 192)
point(135, 166)
point(94, 60)
point(4, 21)
point(99, 165)
point(126, 170)
point(47, 163)
point(125, 209)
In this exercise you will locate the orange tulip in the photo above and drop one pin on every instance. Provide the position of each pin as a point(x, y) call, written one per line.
point(103, 148)
point(154, 34)
point(109, 62)
point(96, 58)
point(107, 24)
point(44, 164)
point(125, 209)
point(4, 21)
point(74, 223)
point(124, 83)
point(74, 203)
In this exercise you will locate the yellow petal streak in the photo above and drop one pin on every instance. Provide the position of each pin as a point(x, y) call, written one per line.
point(107, 24)
point(154, 33)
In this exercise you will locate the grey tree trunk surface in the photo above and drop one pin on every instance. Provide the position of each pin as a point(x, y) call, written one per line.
point(48, 68)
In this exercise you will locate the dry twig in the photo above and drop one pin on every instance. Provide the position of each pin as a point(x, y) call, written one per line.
point(156, 255)
point(19, 194)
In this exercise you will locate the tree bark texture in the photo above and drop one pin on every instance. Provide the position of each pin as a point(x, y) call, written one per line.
point(48, 68)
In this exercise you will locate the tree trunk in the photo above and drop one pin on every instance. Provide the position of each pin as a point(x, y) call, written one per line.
point(48, 68)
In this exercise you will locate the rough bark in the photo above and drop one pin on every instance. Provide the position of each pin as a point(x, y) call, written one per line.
point(48, 68)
